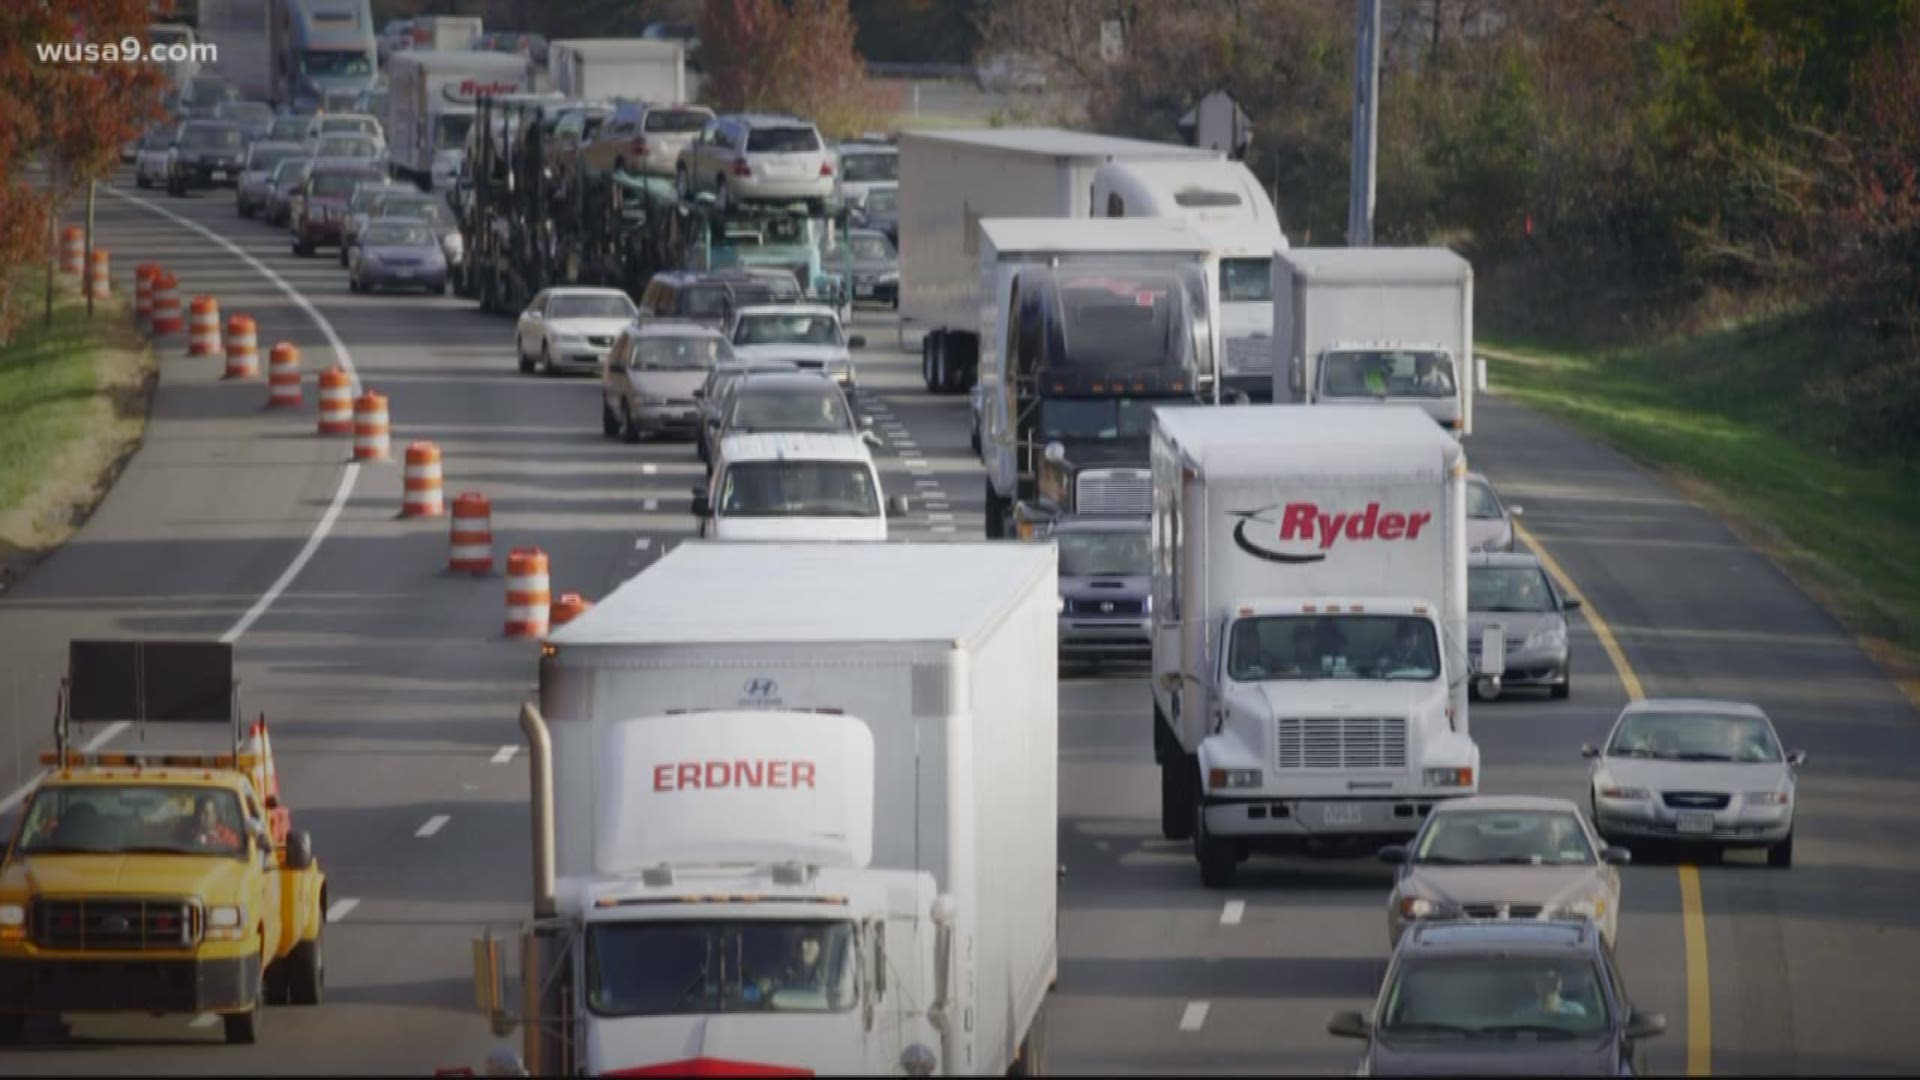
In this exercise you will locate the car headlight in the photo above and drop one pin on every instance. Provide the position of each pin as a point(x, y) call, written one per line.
point(1447, 777)
point(1624, 794)
point(564, 338)
point(1553, 637)
point(369, 258)
point(1060, 605)
point(1227, 779)
point(891, 277)
point(13, 915)
point(1768, 798)
point(1594, 908)
point(226, 921)
point(1418, 907)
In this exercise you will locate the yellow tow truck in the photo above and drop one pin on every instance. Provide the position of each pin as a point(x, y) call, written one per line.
point(162, 882)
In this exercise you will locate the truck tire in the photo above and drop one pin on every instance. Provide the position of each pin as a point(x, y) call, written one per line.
point(242, 1029)
point(1176, 798)
point(13, 1027)
point(932, 350)
point(306, 975)
point(1031, 1058)
point(996, 513)
point(1218, 860)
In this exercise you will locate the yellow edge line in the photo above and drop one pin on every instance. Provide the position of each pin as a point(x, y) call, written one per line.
point(1693, 919)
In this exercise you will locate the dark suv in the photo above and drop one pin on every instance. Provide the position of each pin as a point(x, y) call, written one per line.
point(710, 298)
point(206, 154)
point(1515, 998)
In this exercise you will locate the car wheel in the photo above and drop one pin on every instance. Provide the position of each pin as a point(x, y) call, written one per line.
point(609, 423)
point(546, 360)
point(1563, 689)
point(526, 362)
point(353, 283)
point(1218, 862)
point(343, 254)
point(629, 431)
point(1780, 855)
point(140, 181)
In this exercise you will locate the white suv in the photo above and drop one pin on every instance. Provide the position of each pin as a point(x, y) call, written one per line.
point(753, 158)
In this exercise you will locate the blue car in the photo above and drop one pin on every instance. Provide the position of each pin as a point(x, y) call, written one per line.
point(397, 253)
point(1106, 588)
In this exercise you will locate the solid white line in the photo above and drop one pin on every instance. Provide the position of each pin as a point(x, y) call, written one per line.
point(505, 754)
point(650, 504)
point(649, 468)
point(434, 824)
point(943, 528)
point(1195, 1016)
point(204, 1020)
point(341, 909)
point(1230, 915)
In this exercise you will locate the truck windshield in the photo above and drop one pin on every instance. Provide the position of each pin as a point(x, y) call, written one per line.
point(1105, 554)
point(1121, 322)
point(1386, 373)
point(799, 489)
point(98, 819)
point(1395, 647)
point(868, 168)
point(330, 62)
point(450, 130)
point(1246, 281)
point(676, 968)
point(1068, 419)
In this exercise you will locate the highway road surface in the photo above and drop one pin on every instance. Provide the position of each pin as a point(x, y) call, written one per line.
point(391, 694)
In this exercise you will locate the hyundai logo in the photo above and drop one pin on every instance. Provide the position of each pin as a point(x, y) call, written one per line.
point(761, 687)
point(1106, 607)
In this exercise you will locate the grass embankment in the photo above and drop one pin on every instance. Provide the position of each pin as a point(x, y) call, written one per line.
point(73, 404)
point(1753, 422)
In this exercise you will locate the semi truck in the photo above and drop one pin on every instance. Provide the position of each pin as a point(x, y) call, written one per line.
point(1223, 201)
point(747, 747)
point(949, 181)
point(430, 107)
point(1309, 622)
point(642, 69)
point(1374, 327)
point(249, 50)
point(1085, 326)
point(328, 50)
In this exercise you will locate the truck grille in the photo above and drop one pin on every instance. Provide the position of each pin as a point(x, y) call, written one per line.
point(1250, 355)
point(1341, 742)
point(116, 923)
point(1106, 607)
point(1114, 491)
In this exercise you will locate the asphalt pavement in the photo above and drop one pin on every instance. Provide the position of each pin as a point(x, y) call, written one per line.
point(391, 691)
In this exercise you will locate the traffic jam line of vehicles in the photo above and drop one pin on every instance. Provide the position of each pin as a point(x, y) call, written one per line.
point(1241, 464)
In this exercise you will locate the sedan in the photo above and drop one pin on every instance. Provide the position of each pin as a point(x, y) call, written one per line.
point(256, 175)
point(1708, 774)
point(870, 260)
point(799, 402)
point(712, 395)
point(807, 334)
point(1489, 518)
point(360, 206)
point(1504, 857)
point(397, 254)
point(205, 154)
point(287, 179)
point(409, 202)
point(1514, 592)
point(150, 161)
point(349, 147)
point(649, 381)
point(570, 328)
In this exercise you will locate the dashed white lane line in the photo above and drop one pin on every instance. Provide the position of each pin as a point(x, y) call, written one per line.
point(942, 528)
point(341, 909)
point(918, 463)
point(939, 517)
point(434, 824)
point(927, 483)
point(1195, 1016)
point(643, 543)
point(504, 754)
point(1230, 915)
point(650, 504)
point(649, 468)
point(204, 1020)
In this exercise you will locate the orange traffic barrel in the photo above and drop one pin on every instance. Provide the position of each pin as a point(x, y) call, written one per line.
point(143, 276)
point(99, 271)
point(569, 607)
point(203, 327)
point(73, 250)
point(336, 402)
point(372, 439)
point(243, 349)
point(472, 548)
point(283, 376)
point(422, 498)
point(166, 305)
point(528, 596)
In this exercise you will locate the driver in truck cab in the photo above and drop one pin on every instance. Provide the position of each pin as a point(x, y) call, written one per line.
point(210, 831)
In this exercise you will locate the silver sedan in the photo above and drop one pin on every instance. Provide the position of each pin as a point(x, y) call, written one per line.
point(1704, 773)
point(1504, 857)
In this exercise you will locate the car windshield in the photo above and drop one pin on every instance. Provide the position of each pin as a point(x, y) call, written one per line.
point(327, 62)
point(97, 819)
point(1674, 736)
point(594, 306)
point(680, 353)
point(246, 111)
point(348, 125)
point(338, 184)
point(799, 489)
point(366, 195)
point(396, 235)
point(1494, 996)
point(1105, 554)
point(787, 409)
point(1504, 837)
point(782, 140)
point(288, 172)
point(867, 168)
point(1386, 373)
point(787, 328)
point(865, 248)
point(1391, 647)
point(347, 146)
point(424, 207)
point(1121, 321)
point(291, 128)
point(1246, 280)
point(264, 158)
point(199, 137)
point(680, 967)
point(450, 130)
point(883, 200)
point(675, 121)
point(1069, 419)
point(1482, 503)
point(1509, 588)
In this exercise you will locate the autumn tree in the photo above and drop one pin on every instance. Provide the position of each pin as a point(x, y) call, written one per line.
point(798, 57)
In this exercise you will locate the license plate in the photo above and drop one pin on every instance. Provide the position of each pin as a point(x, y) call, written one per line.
point(1695, 821)
point(219, 174)
point(402, 273)
point(1339, 814)
point(863, 290)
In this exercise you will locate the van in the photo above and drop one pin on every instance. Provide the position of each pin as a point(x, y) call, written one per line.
point(790, 486)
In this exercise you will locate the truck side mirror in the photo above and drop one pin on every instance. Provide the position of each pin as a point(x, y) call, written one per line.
point(897, 506)
point(702, 507)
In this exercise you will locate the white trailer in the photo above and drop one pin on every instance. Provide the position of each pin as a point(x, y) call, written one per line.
point(1309, 628)
point(1223, 201)
point(642, 69)
point(445, 33)
point(779, 669)
point(245, 50)
point(949, 181)
point(430, 107)
point(1373, 327)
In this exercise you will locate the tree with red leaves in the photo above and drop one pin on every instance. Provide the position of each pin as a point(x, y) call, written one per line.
point(795, 57)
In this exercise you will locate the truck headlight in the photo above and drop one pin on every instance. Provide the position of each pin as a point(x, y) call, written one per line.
point(1227, 779)
point(226, 921)
point(12, 915)
point(1418, 907)
point(1447, 777)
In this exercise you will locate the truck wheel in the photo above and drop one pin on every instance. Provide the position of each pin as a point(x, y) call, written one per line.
point(306, 975)
point(1218, 859)
point(1176, 800)
point(243, 1029)
point(996, 514)
point(1031, 1059)
point(13, 1026)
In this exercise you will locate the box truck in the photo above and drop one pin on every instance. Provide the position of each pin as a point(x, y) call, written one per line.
point(641, 69)
point(430, 107)
point(745, 748)
point(1375, 327)
point(1223, 201)
point(1087, 324)
point(1309, 608)
point(248, 47)
point(949, 180)
point(445, 33)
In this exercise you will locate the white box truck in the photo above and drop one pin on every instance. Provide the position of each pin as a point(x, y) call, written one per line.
point(1223, 201)
point(1374, 327)
point(445, 33)
point(641, 69)
point(1309, 621)
point(430, 107)
point(748, 745)
point(949, 181)
point(247, 37)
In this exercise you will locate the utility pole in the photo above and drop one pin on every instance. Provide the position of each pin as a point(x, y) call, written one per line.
point(1366, 116)
point(86, 269)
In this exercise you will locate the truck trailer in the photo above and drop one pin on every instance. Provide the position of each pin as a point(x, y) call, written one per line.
point(949, 181)
point(430, 107)
point(1310, 665)
point(247, 36)
point(642, 69)
point(746, 746)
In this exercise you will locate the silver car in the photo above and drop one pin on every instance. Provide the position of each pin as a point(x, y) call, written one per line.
point(1705, 773)
point(286, 181)
point(1504, 857)
point(1513, 591)
point(256, 175)
point(649, 378)
point(397, 253)
point(1489, 518)
point(150, 160)
point(360, 207)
